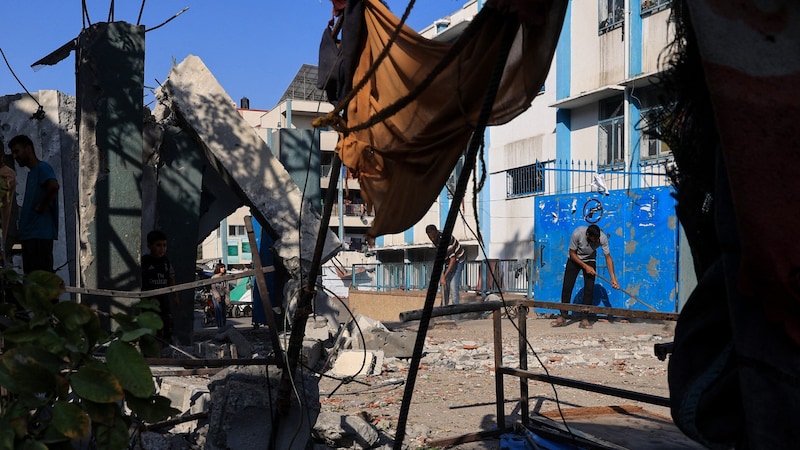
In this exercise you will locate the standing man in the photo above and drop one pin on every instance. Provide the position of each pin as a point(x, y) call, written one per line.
point(454, 260)
point(38, 218)
point(583, 257)
point(8, 188)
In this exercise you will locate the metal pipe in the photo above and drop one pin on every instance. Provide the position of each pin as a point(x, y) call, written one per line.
point(406, 316)
point(307, 295)
point(583, 385)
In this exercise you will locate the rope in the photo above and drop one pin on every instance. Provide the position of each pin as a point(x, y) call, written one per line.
point(166, 290)
point(447, 233)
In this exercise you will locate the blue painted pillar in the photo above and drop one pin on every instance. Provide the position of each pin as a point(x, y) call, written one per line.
point(563, 88)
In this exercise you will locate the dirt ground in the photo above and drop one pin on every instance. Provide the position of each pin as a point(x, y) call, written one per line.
point(454, 394)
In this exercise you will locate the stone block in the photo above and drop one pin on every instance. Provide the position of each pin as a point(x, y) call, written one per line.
point(400, 344)
point(352, 363)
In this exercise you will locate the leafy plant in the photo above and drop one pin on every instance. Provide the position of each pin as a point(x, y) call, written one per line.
point(65, 379)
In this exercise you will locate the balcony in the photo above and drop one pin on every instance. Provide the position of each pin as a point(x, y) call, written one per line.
point(325, 178)
point(355, 215)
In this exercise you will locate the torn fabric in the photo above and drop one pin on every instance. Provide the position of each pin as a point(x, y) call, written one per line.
point(403, 162)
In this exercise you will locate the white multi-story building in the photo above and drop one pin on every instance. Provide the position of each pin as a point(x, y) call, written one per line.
point(583, 131)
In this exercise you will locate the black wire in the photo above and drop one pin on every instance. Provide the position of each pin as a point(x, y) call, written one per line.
point(141, 10)
point(85, 16)
point(471, 155)
point(346, 380)
point(168, 20)
point(509, 314)
point(17, 78)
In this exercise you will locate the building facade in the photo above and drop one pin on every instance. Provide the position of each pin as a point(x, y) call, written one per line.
point(581, 137)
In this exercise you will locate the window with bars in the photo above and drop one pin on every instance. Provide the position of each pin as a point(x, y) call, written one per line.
point(525, 180)
point(611, 135)
point(651, 6)
point(652, 148)
point(611, 14)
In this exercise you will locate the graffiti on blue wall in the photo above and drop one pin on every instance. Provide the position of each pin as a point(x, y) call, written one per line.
point(643, 235)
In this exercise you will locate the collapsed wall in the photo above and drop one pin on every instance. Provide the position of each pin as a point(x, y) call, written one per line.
point(194, 101)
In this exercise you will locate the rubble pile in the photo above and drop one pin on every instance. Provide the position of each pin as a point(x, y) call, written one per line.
point(352, 398)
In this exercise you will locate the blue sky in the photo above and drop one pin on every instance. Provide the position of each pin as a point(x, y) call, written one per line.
point(253, 47)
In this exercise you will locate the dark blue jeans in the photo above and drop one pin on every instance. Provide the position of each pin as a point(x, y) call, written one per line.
point(571, 272)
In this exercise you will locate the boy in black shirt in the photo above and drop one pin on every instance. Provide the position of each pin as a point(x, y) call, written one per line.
point(157, 273)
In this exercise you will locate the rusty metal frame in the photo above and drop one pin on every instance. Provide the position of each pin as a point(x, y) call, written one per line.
point(521, 308)
point(524, 374)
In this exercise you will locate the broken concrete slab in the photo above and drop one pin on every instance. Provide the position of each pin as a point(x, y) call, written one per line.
point(244, 349)
point(241, 417)
point(196, 101)
point(339, 431)
point(310, 353)
point(400, 344)
point(186, 393)
point(353, 363)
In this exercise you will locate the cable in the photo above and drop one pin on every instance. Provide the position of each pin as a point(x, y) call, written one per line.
point(168, 20)
point(87, 22)
point(463, 179)
point(39, 114)
point(510, 316)
point(141, 10)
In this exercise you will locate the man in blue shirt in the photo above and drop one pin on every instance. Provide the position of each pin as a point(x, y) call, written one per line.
point(38, 218)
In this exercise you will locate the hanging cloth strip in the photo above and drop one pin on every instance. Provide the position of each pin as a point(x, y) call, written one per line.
point(403, 161)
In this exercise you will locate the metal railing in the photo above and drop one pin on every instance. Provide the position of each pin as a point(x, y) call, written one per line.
point(485, 276)
point(572, 177)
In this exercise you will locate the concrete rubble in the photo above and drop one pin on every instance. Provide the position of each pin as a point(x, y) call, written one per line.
point(239, 399)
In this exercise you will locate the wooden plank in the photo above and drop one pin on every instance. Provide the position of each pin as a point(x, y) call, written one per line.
point(262, 289)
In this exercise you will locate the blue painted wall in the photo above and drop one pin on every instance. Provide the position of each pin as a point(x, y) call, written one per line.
point(643, 236)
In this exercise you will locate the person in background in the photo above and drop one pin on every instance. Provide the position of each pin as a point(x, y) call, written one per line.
point(220, 293)
point(583, 245)
point(38, 218)
point(454, 263)
point(8, 188)
point(157, 273)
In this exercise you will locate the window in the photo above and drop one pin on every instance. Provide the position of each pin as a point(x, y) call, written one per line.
point(611, 14)
point(611, 135)
point(236, 230)
point(652, 148)
point(651, 6)
point(650, 100)
point(525, 180)
point(452, 182)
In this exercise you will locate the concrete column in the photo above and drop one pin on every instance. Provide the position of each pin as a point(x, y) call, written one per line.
point(180, 179)
point(110, 76)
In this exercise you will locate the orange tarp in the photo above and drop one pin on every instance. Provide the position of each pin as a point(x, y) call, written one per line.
point(403, 162)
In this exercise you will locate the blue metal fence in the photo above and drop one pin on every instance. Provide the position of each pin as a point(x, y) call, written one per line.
point(485, 276)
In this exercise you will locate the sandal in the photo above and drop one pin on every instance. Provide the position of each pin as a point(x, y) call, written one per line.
point(585, 324)
point(560, 322)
